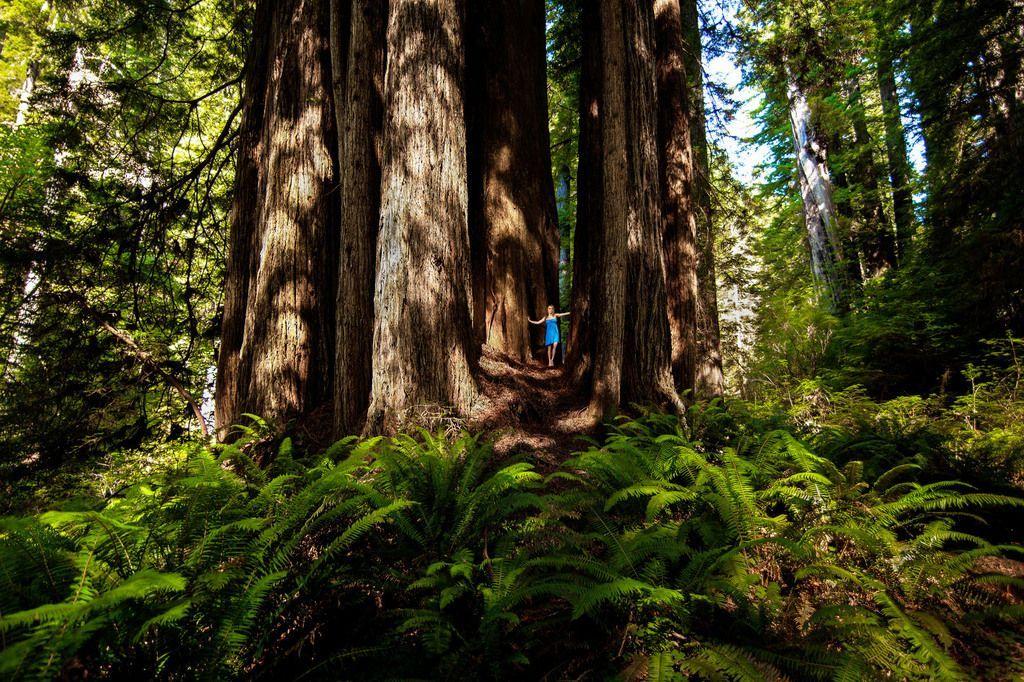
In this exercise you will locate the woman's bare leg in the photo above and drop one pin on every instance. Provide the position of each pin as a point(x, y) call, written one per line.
point(551, 355)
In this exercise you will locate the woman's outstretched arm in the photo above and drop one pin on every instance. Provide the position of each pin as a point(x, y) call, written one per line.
point(562, 315)
point(541, 321)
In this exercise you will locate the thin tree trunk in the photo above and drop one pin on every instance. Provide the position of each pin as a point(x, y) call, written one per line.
point(422, 352)
point(589, 190)
point(278, 318)
point(360, 198)
point(816, 192)
point(708, 377)
point(677, 184)
point(516, 209)
point(895, 145)
point(28, 88)
point(876, 238)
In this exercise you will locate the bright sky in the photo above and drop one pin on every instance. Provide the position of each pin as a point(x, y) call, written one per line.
point(744, 155)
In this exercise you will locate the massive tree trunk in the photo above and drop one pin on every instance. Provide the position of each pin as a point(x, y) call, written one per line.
point(609, 278)
point(516, 203)
point(647, 375)
point(875, 235)
point(277, 336)
point(422, 351)
point(708, 379)
point(895, 144)
point(632, 358)
point(677, 184)
point(360, 200)
point(819, 206)
point(589, 189)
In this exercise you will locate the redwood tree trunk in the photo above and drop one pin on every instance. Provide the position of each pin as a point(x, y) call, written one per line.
point(422, 351)
point(516, 206)
point(360, 136)
point(677, 184)
point(340, 24)
point(228, 395)
point(609, 278)
point(632, 356)
point(278, 320)
point(708, 379)
point(647, 365)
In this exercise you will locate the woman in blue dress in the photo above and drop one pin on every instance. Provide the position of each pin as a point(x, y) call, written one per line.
point(551, 335)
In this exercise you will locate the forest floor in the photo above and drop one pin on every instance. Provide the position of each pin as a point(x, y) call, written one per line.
point(531, 408)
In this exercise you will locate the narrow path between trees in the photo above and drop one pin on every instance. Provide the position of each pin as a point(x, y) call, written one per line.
point(531, 409)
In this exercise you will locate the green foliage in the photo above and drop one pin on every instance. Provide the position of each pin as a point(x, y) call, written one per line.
point(724, 546)
point(115, 192)
point(912, 327)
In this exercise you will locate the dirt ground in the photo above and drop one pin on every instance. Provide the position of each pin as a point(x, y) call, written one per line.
point(530, 408)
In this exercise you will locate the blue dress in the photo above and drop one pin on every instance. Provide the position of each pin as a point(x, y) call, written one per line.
point(551, 335)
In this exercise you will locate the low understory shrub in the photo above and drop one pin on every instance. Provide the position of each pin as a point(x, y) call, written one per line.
point(731, 545)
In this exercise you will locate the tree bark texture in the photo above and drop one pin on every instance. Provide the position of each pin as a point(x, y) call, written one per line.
point(422, 352)
point(818, 203)
point(360, 199)
point(647, 375)
point(278, 319)
point(240, 262)
point(515, 208)
point(340, 25)
point(708, 377)
point(677, 184)
point(632, 357)
point(609, 276)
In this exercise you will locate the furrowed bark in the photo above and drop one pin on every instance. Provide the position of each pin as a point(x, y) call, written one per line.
point(708, 377)
point(632, 357)
point(283, 249)
point(340, 25)
point(647, 362)
point(228, 395)
point(610, 265)
point(360, 199)
point(422, 300)
point(677, 184)
point(516, 207)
